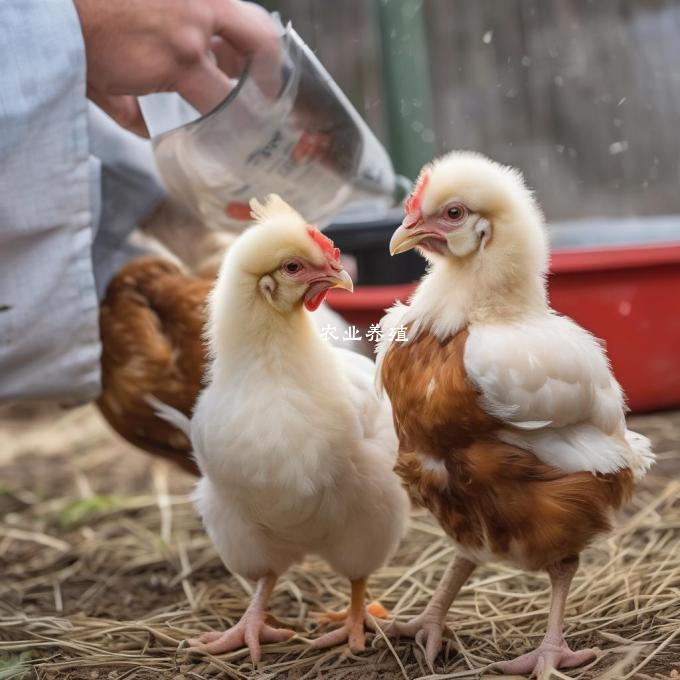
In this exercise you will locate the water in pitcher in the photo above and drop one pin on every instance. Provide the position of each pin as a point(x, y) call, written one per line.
point(285, 128)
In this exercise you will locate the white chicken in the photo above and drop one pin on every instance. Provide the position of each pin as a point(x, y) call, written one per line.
point(295, 448)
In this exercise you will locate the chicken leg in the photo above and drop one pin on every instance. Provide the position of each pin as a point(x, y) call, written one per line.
point(251, 630)
point(352, 630)
point(553, 652)
point(428, 628)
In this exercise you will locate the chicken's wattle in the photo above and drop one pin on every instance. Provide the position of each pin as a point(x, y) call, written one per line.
point(313, 301)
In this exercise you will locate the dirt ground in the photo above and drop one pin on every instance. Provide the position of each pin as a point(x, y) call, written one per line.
point(105, 570)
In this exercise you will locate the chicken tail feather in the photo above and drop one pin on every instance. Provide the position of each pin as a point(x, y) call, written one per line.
point(169, 414)
point(642, 455)
point(531, 424)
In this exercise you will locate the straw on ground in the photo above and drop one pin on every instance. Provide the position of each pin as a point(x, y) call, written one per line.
point(97, 584)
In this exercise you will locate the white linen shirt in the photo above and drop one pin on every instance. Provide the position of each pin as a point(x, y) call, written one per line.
point(73, 185)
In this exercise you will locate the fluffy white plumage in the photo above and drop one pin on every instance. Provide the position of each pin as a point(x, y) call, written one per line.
point(543, 375)
point(311, 474)
point(296, 448)
point(550, 381)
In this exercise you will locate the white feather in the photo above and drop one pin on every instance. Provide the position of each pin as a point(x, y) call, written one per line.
point(392, 320)
point(531, 424)
point(325, 317)
point(550, 381)
point(305, 473)
point(169, 414)
point(296, 448)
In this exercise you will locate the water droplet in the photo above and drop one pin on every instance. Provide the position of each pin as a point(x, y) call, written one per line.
point(616, 148)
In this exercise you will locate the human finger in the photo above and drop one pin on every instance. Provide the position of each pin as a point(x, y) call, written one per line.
point(204, 86)
point(124, 109)
point(246, 26)
point(228, 59)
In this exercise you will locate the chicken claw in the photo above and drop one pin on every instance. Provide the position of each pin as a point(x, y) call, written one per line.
point(543, 659)
point(327, 616)
point(553, 652)
point(252, 629)
point(352, 631)
point(429, 628)
point(430, 637)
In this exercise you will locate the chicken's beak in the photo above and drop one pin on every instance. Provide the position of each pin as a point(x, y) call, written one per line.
point(333, 277)
point(406, 237)
point(341, 279)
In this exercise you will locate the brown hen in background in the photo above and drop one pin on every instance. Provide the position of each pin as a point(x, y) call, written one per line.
point(151, 323)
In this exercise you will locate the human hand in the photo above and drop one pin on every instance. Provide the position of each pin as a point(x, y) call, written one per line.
point(135, 47)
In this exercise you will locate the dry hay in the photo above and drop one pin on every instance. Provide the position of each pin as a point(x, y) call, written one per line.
point(108, 586)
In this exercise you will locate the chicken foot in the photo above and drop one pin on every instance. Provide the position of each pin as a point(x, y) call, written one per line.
point(352, 630)
point(251, 629)
point(429, 627)
point(326, 616)
point(553, 652)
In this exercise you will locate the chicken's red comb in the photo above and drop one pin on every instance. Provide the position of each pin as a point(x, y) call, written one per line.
point(414, 200)
point(324, 243)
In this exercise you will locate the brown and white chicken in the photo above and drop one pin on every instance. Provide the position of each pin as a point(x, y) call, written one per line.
point(511, 426)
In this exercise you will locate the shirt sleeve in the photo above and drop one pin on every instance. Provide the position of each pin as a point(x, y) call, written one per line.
point(130, 189)
point(49, 340)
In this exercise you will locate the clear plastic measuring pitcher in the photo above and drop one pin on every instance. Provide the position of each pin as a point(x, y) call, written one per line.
point(285, 128)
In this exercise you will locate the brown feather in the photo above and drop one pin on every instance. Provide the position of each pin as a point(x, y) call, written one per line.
point(151, 324)
point(486, 494)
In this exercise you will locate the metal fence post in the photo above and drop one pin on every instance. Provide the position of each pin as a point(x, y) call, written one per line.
point(406, 84)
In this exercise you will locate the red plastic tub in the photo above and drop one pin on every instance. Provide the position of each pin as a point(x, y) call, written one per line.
point(627, 296)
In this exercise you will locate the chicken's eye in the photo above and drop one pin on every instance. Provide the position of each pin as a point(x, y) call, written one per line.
point(456, 212)
point(292, 267)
